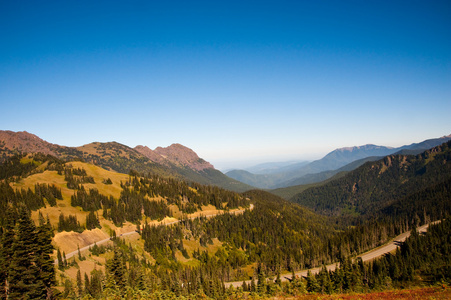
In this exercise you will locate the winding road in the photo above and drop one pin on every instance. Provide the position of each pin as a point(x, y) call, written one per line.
point(372, 254)
point(73, 253)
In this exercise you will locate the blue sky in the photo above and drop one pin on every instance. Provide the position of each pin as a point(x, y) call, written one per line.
point(239, 82)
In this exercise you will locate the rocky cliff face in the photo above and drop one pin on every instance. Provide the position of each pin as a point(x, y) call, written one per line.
point(176, 154)
point(174, 161)
point(150, 154)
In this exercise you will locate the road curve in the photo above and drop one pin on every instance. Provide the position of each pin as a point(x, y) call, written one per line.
point(73, 253)
point(372, 254)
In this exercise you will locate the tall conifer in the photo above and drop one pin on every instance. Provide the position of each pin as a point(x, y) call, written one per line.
point(6, 251)
point(24, 272)
point(44, 259)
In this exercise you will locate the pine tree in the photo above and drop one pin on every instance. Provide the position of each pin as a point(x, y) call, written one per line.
point(252, 287)
point(261, 281)
point(312, 283)
point(79, 284)
point(278, 280)
point(68, 290)
point(245, 286)
point(87, 285)
point(24, 272)
point(59, 259)
point(80, 258)
point(6, 251)
point(117, 269)
point(44, 259)
point(64, 260)
point(96, 283)
point(92, 221)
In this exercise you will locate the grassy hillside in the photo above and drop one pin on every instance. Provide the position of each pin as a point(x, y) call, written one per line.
point(193, 237)
point(112, 184)
point(116, 157)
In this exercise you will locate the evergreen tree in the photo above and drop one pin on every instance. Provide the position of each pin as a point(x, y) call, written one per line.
point(60, 260)
point(44, 259)
point(24, 272)
point(6, 251)
point(79, 253)
point(64, 260)
point(96, 283)
point(252, 287)
point(87, 286)
point(79, 284)
point(68, 290)
point(92, 221)
point(117, 269)
point(261, 280)
point(312, 283)
point(278, 280)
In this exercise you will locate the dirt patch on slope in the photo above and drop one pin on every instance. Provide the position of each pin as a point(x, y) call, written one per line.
point(70, 241)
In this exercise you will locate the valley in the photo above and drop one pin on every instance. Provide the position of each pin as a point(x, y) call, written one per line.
point(390, 247)
point(115, 222)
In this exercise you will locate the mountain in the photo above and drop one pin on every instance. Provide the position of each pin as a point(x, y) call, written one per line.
point(146, 236)
point(174, 161)
point(175, 154)
point(325, 175)
point(427, 144)
point(315, 171)
point(15, 142)
point(379, 184)
point(329, 165)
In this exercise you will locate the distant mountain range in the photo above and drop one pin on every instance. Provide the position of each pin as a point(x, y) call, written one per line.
point(174, 161)
point(387, 186)
point(183, 163)
point(339, 160)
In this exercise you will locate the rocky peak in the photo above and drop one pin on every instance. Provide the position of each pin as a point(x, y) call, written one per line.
point(175, 154)
point(181, 155)
point(150, 154)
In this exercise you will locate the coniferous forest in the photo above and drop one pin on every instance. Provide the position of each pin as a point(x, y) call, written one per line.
point(255, 238)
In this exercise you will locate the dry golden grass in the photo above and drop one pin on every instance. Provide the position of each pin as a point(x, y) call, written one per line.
point(99, 174)
point(89, 148)
point(70, 241)
point(52, 177)
point(85, 266)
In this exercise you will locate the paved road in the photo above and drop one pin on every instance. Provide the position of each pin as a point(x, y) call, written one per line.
point(387, 248)
point(73, 253)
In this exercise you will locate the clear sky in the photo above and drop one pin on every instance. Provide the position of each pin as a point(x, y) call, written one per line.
point(236, 81)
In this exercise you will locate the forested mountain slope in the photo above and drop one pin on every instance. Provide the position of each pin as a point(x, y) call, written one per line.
point(175, 161)
point(78, 203)
point(377, 185)
point(329, 165)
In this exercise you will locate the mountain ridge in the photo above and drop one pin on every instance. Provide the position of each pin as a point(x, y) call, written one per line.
point(174, 161)
point(330, 163)
point(176, 154)
point(374, 185)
